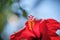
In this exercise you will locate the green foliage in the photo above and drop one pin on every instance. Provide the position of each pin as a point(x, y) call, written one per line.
point(10, 2)
point(3, 3)
point(24, 14)
point(2, 21)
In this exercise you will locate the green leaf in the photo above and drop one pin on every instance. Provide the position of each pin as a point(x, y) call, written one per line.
point(24, 14)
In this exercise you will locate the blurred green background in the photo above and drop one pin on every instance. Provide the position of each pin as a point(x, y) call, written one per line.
point(5, 11)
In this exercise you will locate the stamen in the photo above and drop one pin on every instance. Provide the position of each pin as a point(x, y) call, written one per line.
point(31, 22)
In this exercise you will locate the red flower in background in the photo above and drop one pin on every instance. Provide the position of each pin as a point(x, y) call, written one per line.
point(38, 30)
